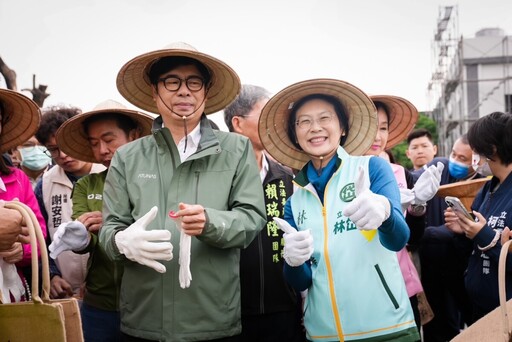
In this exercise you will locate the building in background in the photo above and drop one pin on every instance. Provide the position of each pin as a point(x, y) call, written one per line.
point(471, 77)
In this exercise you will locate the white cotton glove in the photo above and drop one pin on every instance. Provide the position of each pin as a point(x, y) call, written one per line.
point(138, 245)
point(427, 184)
point(298, 246)
point(368, 210)
point(70, 236)
point(184, 275)
point(10, 282)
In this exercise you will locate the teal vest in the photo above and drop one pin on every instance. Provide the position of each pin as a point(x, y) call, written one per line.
point(358, 291)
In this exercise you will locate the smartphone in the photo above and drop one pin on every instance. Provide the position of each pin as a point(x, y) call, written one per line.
point(456, 205)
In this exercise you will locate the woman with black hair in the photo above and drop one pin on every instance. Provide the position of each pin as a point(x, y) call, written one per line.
point(490, 138)
point(344, 223)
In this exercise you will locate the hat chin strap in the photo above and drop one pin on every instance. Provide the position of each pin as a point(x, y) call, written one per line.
point(184, 117)
point(321, 158)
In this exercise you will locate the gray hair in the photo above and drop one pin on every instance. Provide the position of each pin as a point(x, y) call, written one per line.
point(244, 103)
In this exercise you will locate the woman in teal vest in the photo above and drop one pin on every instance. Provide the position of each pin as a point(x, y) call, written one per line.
point(344, 223)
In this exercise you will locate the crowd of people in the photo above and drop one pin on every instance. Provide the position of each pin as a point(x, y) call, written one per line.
point(296, 225)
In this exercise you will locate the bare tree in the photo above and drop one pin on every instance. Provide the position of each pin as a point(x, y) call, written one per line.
point(39, 93)
point(9, 75)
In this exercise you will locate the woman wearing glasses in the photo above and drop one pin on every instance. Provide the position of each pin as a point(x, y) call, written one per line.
point(19, 119)
point(344, 223)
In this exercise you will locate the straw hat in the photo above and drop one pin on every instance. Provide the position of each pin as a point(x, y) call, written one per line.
point(133, 81)
point(403, 116)
point(464, 190)
point(21, 117)
point(274, 119)
point(71, 137)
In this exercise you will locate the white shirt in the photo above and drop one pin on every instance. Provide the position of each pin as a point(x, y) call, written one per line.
point(192, 143)
point(264, 168)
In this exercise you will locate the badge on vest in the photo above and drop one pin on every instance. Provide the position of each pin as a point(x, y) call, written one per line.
point(348, 192)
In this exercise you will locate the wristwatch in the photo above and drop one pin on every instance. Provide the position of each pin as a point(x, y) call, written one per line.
point(417, 209)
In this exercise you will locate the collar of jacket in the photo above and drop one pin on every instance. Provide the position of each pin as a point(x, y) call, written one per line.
point(208, 144)
point(506, 184)
point(276, 171)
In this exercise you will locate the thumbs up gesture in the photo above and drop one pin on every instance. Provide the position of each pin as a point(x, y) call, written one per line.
point(368, 210)
point(138, 244)
point(298, 246)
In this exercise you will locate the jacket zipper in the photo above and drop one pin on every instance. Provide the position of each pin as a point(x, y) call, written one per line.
point(337, 318)
point(262, 275)
point(197, 187)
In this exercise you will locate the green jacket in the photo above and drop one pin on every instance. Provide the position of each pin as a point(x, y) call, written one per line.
point(223, 177)
point(103, 279)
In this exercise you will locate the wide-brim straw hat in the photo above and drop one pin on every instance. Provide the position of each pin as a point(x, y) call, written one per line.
point(21, 118)
point(133, 81)
point(463, 190)
point(403, 116)
point(274, 117)
point(71, 136)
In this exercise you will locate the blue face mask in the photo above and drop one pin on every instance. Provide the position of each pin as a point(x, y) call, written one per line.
point(33, 158)
point(458, 170)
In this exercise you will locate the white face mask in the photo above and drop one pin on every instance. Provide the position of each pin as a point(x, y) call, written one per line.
point(482, 169)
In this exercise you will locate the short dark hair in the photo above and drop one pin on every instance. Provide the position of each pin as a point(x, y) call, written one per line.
point(53, 117)
point(124, 122)
point(418, 133)
point(339, 108)
point(244, 102)
point(164, 64)
point(491, 135)
point(384, 107)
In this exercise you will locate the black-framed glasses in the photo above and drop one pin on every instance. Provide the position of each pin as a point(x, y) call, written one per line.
point(173, 83)
point(52, 152)
point(305, 122)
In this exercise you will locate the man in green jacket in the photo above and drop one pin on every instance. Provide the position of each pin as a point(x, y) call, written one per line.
point(94, 137)
point(199, 187)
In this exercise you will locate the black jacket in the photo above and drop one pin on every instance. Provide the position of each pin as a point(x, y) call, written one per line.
point(263, 287)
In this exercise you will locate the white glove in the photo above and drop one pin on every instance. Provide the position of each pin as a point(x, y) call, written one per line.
point(185, 276)
point(406, 198)
point(298, 246)
point(427, 184)
point(368, 210)
point(137, 244)
point(70, 236)
point(10, 282)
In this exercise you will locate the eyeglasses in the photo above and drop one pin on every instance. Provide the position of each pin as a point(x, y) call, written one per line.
point(305, 122)
point(173, 83)
point(52, 152)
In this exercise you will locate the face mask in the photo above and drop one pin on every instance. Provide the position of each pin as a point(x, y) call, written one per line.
point(457, 170)
point(33, 158)
point(483, 169)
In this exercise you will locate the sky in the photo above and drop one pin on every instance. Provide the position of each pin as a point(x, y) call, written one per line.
point(76, 48)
